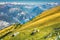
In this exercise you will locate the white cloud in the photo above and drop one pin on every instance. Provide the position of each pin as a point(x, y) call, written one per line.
point(26, 3)
point(3, 24)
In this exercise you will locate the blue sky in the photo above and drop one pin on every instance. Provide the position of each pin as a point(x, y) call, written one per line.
point(29, 0)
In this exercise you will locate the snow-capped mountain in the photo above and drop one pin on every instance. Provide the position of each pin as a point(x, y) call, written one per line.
point(21, 13)
point(3, 24)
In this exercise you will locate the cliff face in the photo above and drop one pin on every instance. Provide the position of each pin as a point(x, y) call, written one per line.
point(45, 26)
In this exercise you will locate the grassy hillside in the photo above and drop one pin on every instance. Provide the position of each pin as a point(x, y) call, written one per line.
point(45, 26)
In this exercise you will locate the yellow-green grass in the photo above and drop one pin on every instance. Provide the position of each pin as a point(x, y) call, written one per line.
point(6, 30)
point(9, 29)
point(26, 34)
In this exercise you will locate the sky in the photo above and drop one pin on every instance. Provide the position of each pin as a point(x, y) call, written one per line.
point(29, 0)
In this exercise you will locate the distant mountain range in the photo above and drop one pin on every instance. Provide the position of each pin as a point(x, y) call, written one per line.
point(21, 13)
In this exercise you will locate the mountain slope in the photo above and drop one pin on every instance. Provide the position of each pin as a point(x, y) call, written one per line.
point(46, 28)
